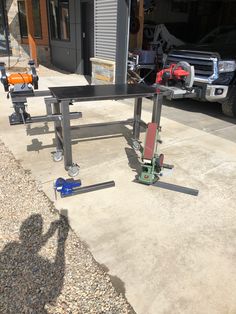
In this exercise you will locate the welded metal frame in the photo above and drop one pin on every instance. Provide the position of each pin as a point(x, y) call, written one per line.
point(58, 111)
point(63, 128)
point(53, 112)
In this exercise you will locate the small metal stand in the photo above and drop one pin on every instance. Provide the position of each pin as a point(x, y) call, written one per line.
point(152, 163)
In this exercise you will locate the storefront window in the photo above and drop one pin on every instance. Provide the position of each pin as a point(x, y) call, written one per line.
point(36, 19)
point(59, 19)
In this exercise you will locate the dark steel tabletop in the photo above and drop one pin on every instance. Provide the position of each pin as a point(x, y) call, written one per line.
point(102, 92)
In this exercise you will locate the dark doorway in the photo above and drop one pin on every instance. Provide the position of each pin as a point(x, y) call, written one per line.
point(87, 11)
point(65, 34)
point(188, 21)
point(4, 43)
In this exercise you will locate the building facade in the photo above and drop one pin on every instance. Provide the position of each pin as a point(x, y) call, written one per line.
point(58, 32)
point(15, 36)
point(78, 36)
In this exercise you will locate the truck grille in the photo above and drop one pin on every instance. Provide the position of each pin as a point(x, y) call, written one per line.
point(202, 62)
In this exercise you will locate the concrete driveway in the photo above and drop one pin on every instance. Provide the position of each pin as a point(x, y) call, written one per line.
point(166, 252)
point(203, 116)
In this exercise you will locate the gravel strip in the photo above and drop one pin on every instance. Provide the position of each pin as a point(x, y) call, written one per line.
point(44, 267)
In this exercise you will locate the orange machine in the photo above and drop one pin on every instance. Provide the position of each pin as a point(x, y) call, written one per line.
point(19, 86)
point(18, 78)
point(22, 79)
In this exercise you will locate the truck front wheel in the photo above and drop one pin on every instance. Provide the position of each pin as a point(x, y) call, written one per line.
point(229, 104)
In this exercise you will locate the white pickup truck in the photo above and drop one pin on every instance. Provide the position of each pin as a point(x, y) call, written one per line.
point(214, 61)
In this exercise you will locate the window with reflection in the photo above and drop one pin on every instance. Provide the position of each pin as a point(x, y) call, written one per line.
point(36, 18)
point(22, 19)
point(59, 19)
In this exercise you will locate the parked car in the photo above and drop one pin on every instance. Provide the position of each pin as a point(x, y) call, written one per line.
point(214, 60)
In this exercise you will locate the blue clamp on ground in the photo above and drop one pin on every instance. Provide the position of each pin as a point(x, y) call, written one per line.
point(66, 186)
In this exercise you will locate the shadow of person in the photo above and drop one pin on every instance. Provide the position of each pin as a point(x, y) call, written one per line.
point(29, 281)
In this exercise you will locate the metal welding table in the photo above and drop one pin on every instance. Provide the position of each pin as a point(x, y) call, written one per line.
point(65, 96)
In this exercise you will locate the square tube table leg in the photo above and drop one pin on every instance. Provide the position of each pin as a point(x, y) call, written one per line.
point(58, 128)
point(157, 107)
point(66, 134)
point(48, 103)
point(137, 118)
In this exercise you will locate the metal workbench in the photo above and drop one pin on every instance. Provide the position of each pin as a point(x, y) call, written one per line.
point(63, 97)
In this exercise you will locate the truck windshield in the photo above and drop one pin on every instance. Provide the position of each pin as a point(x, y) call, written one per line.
point(221, 36)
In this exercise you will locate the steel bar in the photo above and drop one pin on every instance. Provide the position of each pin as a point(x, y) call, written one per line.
point(176, 188)
point(91, 188)
point(22, 98)
point(137, 117)
point(167, 166)
point(157, 107)
point(66, 133)
point(42, 93)
point(48, 108)
point(48, 102)
point(57, 127)
point(53, 117)
point(47, 118)
point(51, 100)
point(59, 135)
point(124, 122)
